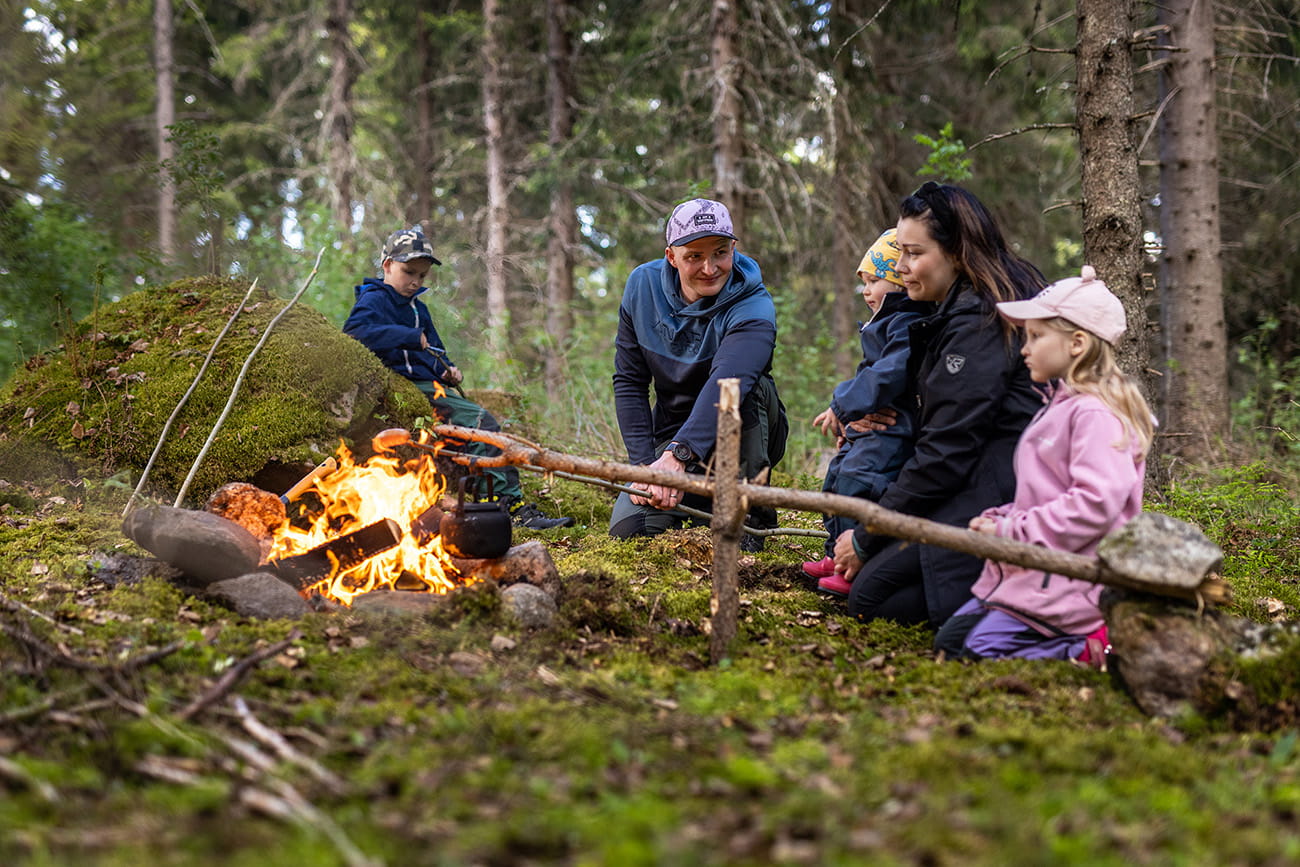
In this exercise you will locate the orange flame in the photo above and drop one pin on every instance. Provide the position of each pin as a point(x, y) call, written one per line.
point(358, 494)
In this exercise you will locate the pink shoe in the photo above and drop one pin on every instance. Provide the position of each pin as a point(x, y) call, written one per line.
point(835, 585)
point(823, 568)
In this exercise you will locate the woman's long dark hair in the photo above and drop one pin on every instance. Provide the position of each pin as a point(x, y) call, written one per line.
point(964, 228)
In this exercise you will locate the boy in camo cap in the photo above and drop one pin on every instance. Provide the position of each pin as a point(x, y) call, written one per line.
point(394, 324)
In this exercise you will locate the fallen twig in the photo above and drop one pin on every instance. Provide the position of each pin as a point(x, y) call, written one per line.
point(239, 380)
point(234, 674)
point(162, 437)
point(273, 739)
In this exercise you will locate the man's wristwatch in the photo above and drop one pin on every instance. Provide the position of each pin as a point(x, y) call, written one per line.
point(682, 452)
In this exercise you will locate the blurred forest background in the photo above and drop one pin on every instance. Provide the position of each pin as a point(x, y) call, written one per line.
point(542, 145)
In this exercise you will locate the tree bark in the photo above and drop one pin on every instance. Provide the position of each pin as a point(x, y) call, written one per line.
point(497, 213)
point(1112, 203)
point(165, 116)
point(848, 238)
point(338, 116)
point(1196, 403)
point(728, 112)
point(422, 204)
point(563, 236)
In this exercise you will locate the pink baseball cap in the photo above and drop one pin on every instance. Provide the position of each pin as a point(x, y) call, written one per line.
point(698, 218)
point(1083, 300)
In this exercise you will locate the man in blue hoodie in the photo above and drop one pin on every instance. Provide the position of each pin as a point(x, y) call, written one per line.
point(394, 324)
point(697, 315)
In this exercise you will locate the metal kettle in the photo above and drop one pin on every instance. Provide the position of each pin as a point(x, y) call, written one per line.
point(476, 530)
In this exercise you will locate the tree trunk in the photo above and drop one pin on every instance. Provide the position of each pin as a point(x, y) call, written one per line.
point(728, 110)
point(338, 111)
point(1196, 403)
point(563, 238)
point(494, 124)
point(848, 238)
point(165, 116)
point(1112, 204)
point(422, 205)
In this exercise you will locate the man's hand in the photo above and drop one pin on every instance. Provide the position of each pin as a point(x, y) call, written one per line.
point(657, 495)
point(881, 419)
point(829, 424)
point(847, 562)
point(453, 375)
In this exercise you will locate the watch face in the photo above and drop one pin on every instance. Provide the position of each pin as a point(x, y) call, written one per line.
point(683, 453)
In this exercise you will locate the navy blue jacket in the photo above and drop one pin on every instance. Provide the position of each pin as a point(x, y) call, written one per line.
point(684, 349)
point(974, 398)
point(390, 326)
point(881, 377)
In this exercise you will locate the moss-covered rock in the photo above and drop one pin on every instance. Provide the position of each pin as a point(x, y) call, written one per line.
point(97, 404)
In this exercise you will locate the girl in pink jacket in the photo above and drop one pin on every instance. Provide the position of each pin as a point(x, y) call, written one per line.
point(1079, 469)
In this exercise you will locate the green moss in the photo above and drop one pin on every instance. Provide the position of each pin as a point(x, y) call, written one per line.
point(99, 404)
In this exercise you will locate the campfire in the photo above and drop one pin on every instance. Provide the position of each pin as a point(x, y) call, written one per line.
point(367, 526)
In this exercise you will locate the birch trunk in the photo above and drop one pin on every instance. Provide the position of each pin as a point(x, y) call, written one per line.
point(493, 120)
point(164, 117)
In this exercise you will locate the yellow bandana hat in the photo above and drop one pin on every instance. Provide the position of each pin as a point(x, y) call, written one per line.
point(882, 257)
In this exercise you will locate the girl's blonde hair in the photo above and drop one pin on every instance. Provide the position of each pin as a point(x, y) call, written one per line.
point(1095, 372)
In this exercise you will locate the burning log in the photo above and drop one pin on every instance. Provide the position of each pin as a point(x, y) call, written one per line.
point(338, 555)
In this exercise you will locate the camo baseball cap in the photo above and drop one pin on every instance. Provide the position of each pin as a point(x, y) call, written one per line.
point(407, 244)
point(698, 218)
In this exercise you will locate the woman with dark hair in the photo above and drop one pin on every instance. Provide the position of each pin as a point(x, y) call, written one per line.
point(974, 398)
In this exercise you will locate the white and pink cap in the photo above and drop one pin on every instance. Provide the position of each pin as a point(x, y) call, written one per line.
point(1083, 300)
point(698, 218)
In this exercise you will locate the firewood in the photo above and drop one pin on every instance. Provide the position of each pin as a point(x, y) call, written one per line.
point(339, 554)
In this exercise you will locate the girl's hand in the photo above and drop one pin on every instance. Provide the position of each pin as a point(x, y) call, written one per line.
point(981, 524)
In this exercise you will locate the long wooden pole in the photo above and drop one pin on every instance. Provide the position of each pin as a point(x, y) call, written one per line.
point(873, 517)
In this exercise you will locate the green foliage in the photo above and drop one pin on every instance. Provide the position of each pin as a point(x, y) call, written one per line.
point(947, 159)
point(55, 267)
point(1267, 414)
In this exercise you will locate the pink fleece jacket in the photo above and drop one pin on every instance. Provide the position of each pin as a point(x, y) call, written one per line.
point(1078, 477)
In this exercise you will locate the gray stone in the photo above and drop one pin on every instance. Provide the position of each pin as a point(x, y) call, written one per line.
point(399, 602)
point(260, 595)
point(1160, 550)
point(532, 606)
point(204, 546)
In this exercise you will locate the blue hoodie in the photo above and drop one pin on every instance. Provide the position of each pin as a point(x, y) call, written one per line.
point(684, 349)
point(390, 326)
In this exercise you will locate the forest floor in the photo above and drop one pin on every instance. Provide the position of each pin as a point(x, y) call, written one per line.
point(456, 737)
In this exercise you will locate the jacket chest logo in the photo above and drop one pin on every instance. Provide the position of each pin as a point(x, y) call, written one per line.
point(954, 363)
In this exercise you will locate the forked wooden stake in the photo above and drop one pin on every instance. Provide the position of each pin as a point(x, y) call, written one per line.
point(728, 514)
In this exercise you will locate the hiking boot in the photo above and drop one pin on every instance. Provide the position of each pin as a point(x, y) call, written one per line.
point(835, 585)
point(819, 569)
point(530, 517)
point(751, 544)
